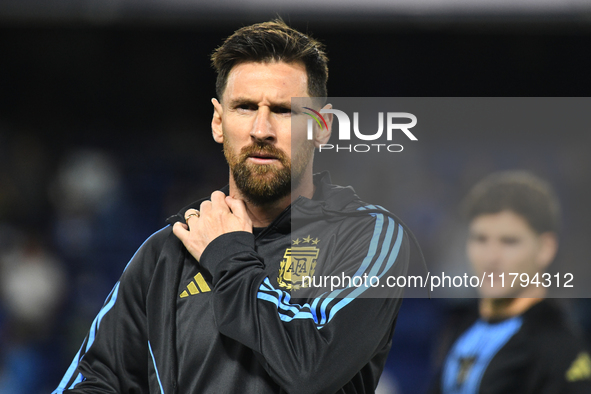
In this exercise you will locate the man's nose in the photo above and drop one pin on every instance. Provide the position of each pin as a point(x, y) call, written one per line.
point(263, 129)
point(493, 255)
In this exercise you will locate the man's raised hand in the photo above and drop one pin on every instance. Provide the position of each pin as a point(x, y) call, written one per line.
point(223, 214)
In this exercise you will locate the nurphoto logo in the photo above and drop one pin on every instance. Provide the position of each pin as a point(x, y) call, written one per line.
point(393, 125)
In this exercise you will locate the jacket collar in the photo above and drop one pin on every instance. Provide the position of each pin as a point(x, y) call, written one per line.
point(326, 197)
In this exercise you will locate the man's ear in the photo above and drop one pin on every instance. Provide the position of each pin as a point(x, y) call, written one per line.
point(548, 249)
point(216, 122)
point(323, 134)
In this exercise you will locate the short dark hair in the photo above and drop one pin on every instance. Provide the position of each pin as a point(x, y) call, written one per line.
point(272, 41)
point(520, 192)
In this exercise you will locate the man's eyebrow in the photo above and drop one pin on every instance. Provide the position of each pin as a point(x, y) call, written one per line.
point(284, 104)
point(245, 101)
point(242, 101)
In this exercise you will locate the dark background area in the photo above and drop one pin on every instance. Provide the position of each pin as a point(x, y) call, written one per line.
point(129, 102)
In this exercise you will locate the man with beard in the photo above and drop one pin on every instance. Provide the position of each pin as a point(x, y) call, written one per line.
point(207, 305)
point(520, 343)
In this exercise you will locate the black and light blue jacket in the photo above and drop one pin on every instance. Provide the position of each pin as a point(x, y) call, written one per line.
point(230, 323)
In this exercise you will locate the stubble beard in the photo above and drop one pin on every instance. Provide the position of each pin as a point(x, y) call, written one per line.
point(264, 184)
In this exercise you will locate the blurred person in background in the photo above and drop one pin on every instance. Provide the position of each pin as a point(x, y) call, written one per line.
point(520, 342)
point(32, 283)
point(205, 306)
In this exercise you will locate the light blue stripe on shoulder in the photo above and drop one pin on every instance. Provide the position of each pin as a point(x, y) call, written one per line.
point(69, 373)
point(142, 245)
point(78, 379)
point(395, 250)
point(91, 336)
point(358, 291)
point(97, 320)
point(385, 249)
point(373, 247)
point(95, 326)
point(155, 368)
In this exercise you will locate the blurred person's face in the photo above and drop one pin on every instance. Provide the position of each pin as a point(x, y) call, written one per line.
point(504, 242)
point(253, 122)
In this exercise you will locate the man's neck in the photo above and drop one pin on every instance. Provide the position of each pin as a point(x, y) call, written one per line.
point(262, 216)
point(504, 308)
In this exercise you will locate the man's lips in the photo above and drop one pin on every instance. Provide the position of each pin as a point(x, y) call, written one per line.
point(263, 158)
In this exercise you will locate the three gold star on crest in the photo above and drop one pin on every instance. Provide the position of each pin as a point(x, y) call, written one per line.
point(306, 240)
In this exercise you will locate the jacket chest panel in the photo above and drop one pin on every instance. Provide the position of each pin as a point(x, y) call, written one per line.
point(193, 296)
point(300, 254)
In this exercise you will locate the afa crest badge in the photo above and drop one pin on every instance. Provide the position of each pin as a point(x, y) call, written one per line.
point(298, 261)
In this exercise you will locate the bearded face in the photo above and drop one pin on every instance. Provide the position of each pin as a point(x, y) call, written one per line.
point(254, 123)
point(263, 184)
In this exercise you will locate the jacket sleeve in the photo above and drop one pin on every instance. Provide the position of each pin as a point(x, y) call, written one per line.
point(319, 345)
point(114, 355)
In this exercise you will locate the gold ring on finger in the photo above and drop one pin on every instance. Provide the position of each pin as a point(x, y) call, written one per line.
point(196, 214)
